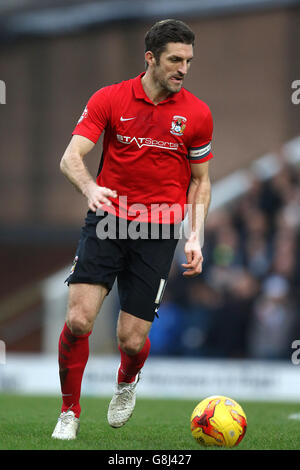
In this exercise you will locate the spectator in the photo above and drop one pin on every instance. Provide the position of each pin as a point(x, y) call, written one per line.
point(271, 330)
point(244, 304)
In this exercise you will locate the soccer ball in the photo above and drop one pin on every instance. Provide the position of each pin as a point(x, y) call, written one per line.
point(218, 421)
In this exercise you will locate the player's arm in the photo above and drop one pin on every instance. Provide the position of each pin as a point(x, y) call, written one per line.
point(73, 167)
point(198, 199)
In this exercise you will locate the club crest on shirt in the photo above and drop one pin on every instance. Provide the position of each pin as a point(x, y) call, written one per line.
point(178, 125)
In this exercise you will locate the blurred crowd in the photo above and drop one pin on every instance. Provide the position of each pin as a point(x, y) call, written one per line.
point(246, 302)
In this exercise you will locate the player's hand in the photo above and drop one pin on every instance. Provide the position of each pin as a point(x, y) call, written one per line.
point(193, 253)
point(98, 195)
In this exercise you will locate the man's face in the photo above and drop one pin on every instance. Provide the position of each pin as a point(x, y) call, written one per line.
point(173, 65)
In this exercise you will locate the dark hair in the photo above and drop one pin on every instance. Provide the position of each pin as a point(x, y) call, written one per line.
point(166, 31)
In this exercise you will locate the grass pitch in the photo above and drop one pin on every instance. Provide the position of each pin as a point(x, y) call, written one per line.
point(27, 422)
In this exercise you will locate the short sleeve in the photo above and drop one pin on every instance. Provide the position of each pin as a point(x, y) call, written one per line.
point(200, 148)
point(95, 116)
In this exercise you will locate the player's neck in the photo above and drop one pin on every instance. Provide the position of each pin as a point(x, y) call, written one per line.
point(153, 89)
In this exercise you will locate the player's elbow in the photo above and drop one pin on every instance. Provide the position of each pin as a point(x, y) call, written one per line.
point(201, 181)
point(63, 165)
point(67, 162)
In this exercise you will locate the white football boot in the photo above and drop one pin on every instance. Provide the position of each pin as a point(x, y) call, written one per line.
point(122, 403)
point(67, 426)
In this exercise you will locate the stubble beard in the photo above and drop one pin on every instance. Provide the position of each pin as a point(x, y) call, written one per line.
point(166, 86)
point(170, 88)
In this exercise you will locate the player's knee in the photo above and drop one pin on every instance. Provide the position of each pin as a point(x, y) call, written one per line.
point(78, 322)
point(131, 345)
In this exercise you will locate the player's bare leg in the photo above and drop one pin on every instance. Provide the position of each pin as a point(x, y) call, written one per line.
point(134, 346)
point(85, 301)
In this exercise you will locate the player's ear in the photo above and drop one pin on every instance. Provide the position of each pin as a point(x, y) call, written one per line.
point(149, 58)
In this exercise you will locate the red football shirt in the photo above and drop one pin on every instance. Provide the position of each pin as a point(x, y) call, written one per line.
point(147, 148)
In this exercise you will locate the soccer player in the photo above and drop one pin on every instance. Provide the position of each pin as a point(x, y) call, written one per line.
point(156, 152)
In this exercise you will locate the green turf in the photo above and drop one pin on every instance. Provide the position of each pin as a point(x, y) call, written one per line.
point(26, 423)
